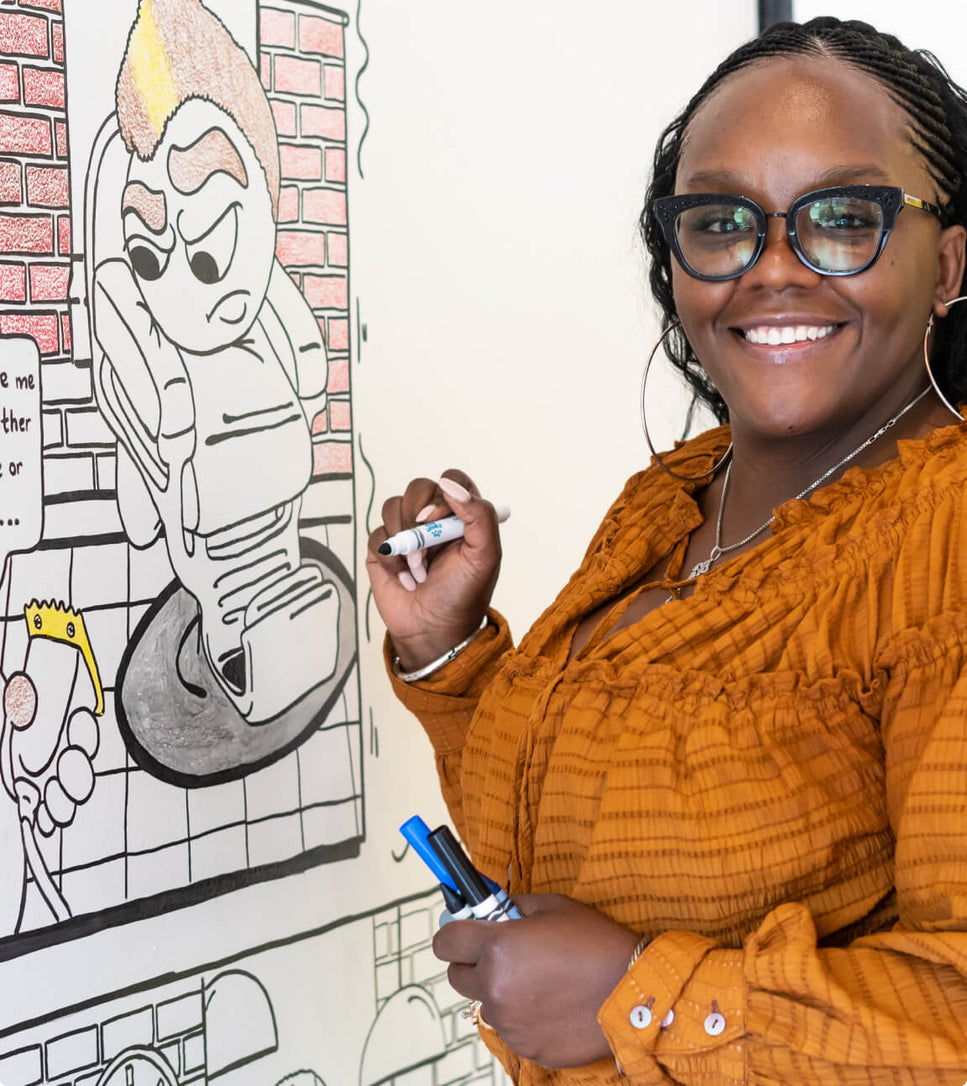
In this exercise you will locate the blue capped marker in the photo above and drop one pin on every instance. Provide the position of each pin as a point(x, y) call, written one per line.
point(416, 831)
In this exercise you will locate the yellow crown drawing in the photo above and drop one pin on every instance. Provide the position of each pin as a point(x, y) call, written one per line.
point(151, 70)
point(57, 622)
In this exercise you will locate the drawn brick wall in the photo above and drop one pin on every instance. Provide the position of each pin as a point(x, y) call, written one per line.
point(303, 67)
point(35, 241)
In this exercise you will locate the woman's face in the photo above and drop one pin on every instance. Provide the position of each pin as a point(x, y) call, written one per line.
point(773, 132)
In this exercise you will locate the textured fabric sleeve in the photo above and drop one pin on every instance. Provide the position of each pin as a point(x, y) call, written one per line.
point(445, 702)
point(890, 1007)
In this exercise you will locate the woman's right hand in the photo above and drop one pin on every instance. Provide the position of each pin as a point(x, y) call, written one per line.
point(432, 600)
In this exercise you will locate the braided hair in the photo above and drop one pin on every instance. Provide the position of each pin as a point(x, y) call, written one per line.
point(937, 110)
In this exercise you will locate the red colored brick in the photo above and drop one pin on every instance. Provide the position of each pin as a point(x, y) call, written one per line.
point(329, 123)
point(320, 36)
point(13, 283)
point(64, 235)
point(332, 458)
point(276, 28)
point(298, 248)
point(320, 424)
point(41, 326)
point(335, 83)
point(335, 164)
point(300, 163)
point(289, 204)
point(47, 5)
point(23, 35)
point(11, 190)
point(338, 370)
point(9, 83)
point(43, 87)
point(284, 113)
point(26, 234)
point(338, 250)
point(60, 133)
point(326, 291)
point(338, 339)
point(296, 76)
point(24, 135)
point(47, 186)
point(265, 71)
point(296, 278)
point(324, 205)
point(65, 332)
point(57, 42)
point(340, 415)
point(48, 282)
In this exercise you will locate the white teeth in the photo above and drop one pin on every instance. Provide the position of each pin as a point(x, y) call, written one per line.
point(773, 335)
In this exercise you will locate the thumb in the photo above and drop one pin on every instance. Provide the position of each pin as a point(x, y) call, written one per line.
point(478, 515)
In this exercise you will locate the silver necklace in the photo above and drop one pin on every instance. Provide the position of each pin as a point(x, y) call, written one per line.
point(718, 550)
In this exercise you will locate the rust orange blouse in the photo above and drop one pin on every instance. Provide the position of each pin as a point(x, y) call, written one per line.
point(768, 778)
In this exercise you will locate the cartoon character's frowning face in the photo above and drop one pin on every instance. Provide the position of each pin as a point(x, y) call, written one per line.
point(199, 230)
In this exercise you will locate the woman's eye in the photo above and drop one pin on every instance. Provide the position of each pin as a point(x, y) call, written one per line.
point(147, 260)
point(210, 256)
point(720, 224)
point(830, 217)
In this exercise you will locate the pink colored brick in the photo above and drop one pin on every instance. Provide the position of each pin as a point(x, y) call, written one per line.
point(326, 291)
point(320, 36)
point(338, 371)
point(24, 135)
point(64, 235)
point(11, 190)
point(26, 234)
point(265, 71)
point(276, 28)
point(43, 87)
point(13, 283)
point(335, 83)
point(296, 76)
point(48, 283)
point(289, 204)
point(324, 205)
point(284, 114)
point(9, 84)
point(335, 159)
point(23, 35)
point(329, 123)
point(338, 250)
point(320, 424)
point(332, 458)
point(60, 132)
point(340, 415)
point(41, 326)
point(298, 248)
point(300, 163)
point(338, 337)
point(57, 42)
point(47, 5)
point(65, 332)
point(47, 186)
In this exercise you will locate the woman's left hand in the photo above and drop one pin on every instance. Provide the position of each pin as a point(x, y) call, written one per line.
point(541, 980)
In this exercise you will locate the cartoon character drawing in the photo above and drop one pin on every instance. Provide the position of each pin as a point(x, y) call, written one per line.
point(213, 369)
point(49, 736)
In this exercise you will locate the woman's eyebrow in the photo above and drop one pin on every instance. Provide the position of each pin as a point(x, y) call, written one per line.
point(716, 180)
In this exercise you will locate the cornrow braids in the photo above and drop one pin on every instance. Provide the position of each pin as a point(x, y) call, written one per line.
point(937, 110)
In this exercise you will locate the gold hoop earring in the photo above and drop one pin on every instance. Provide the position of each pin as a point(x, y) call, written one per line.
point(673, 327)
point(926, 359)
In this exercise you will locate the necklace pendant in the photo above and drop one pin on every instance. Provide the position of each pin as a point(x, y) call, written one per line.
point(701, 567)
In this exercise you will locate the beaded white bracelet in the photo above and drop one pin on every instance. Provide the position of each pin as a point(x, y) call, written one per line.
point(428, 669)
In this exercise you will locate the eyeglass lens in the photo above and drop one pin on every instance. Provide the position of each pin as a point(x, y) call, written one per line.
point(835, 234)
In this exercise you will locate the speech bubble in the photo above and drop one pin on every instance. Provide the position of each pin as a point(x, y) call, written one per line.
point(21, 443)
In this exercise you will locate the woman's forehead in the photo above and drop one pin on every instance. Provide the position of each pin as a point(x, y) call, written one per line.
point(802, 114)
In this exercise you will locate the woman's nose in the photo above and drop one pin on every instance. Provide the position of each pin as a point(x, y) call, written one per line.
point(779, 265)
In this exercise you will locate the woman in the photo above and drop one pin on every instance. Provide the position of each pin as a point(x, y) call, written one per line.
point(725, 773)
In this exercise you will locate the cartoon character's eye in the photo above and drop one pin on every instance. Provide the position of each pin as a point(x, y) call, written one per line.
point(211, 255)
point(147, 259)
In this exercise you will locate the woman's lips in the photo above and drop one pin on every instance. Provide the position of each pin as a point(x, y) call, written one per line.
point(774, 334)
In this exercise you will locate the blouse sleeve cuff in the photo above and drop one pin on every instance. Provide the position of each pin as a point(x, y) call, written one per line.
point(683, 997)
point(444, 699)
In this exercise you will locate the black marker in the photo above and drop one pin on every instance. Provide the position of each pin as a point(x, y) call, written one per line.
point(483, 902)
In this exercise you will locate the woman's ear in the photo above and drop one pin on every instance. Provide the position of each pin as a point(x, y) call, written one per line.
point(950, 268)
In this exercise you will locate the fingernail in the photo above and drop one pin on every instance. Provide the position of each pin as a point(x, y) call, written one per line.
point(425, 513)
point(417, 566)
point(406, 580)
point(454, 490)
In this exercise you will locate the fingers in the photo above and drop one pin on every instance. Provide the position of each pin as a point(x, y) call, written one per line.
point(481, 533)
point(461, 941)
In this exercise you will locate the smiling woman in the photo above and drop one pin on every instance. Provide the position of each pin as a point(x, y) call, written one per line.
point(724, 774)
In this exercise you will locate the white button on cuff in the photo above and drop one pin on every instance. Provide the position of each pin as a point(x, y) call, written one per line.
point(640, 1016)
point(670, 1017)
point(714, 1024)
